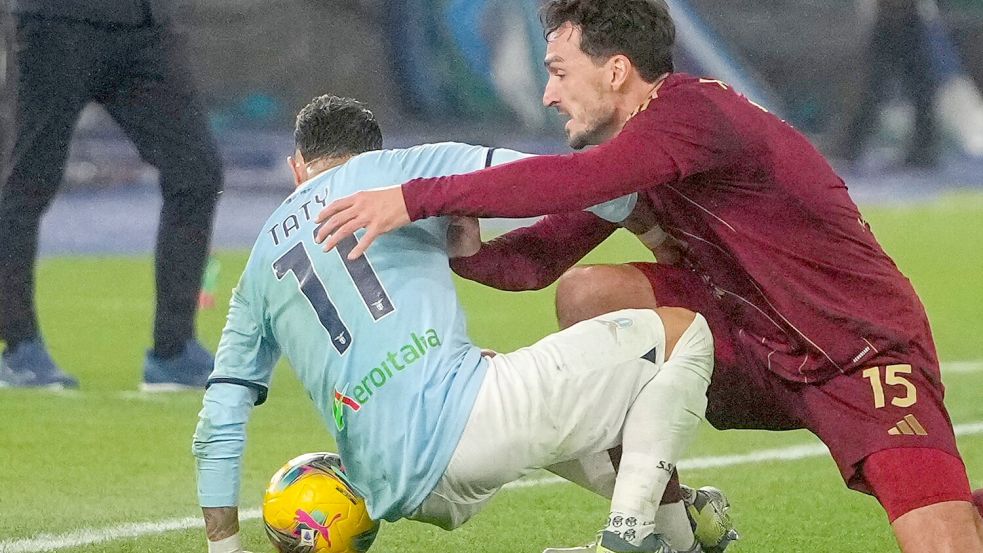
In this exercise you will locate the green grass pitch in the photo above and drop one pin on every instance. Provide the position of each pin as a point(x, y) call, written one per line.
point(106, 456)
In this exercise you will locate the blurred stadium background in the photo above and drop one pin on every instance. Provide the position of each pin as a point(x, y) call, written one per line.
point(470, 70)
point(106, 457)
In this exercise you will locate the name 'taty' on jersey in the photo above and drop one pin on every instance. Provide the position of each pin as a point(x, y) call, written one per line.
point(380, 343)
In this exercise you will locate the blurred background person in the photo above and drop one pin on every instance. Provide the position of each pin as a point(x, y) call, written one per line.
point(124, 55)
point(6, 91)
point(467, 59)
point(899, 57)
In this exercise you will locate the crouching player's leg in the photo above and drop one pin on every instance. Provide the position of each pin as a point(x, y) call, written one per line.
point(583, 292)
point(580, 392)
point(899, 446)
point(935, 515)
point(978, 502)
point(685, 515)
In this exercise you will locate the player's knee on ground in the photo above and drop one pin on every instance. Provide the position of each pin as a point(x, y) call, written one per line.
point(588, 291)
point(941, 477)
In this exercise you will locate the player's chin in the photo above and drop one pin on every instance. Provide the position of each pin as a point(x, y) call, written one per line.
point(578, 140)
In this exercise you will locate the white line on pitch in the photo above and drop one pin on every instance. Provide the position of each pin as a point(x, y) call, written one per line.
point(89, 536)
point(962, 367)
point(791, 453)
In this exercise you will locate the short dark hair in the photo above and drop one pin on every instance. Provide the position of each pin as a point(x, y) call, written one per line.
point(641, 30)
point(331, 126)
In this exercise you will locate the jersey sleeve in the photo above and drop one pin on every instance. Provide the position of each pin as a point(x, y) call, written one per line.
point(452, 158)
point(498, 156)
point(219, 441)
point(243, 367)
point(533, 257)
point(671, 140)
point(616, 210)
point(246, 352)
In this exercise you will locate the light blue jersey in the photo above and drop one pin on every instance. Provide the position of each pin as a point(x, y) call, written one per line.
point(380, 343)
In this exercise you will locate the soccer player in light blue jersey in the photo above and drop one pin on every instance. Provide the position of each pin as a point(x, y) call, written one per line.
point(428, 427)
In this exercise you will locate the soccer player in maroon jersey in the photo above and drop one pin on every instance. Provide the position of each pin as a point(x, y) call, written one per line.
point(814, 325)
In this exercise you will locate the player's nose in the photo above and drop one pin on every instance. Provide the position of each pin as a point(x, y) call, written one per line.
point(550, 97)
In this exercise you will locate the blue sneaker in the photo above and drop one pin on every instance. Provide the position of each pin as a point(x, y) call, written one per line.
point(187, 370)
point(30, 366)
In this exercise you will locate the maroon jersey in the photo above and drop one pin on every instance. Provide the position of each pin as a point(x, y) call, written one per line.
point(768, 225)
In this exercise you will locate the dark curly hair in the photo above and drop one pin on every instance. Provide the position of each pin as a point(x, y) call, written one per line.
point(641, 30)
point(331, 126)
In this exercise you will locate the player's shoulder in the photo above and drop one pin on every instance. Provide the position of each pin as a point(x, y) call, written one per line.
point(688, 100)
point(684, 84)
point(688, 93)
point(438, 150)
point(440, 159)
point(397, 159)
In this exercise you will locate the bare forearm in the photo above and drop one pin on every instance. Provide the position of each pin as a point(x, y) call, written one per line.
point(220, 522)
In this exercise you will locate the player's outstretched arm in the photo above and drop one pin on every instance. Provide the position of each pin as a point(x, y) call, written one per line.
point(218, 447)
point(533, 257)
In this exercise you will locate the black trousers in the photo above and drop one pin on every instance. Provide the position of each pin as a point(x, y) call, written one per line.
point(899, 52)
point(138, 74)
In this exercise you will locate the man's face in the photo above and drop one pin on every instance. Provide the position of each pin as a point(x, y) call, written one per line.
point(580, 89)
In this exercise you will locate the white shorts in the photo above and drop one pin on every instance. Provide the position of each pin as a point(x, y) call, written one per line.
point(563, 398)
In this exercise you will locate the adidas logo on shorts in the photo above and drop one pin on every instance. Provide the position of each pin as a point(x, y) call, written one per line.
point(908, 426)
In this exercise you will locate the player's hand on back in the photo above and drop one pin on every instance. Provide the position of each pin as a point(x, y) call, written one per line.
point(376, 211)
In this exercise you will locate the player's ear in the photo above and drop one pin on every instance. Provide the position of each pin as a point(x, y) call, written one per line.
point(620, 68)
point(297, 168)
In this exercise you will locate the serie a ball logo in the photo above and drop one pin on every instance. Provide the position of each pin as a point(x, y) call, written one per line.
point(310, 508)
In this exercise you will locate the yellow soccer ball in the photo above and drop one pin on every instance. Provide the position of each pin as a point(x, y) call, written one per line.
point(310, 508)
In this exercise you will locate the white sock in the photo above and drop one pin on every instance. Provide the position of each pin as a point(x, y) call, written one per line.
point(673, 523)
point(596, 473)
point(661, 423)
point(632, 527)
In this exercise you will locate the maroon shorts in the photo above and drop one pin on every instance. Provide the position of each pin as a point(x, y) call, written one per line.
point(854, 414)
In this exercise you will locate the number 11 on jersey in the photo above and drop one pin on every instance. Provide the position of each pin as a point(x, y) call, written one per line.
point(297, 261)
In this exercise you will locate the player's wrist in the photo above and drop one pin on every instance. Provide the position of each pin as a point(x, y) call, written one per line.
point(231, 544)
point(653, 237)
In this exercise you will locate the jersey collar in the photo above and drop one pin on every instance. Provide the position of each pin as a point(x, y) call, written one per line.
point(652, 95)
